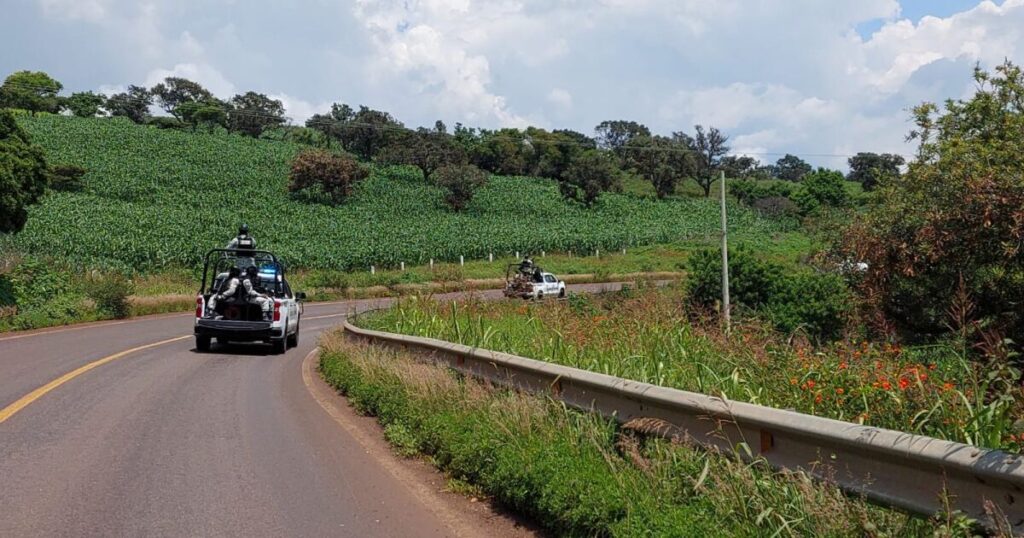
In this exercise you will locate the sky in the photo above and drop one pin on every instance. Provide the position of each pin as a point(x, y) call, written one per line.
point(822, 79)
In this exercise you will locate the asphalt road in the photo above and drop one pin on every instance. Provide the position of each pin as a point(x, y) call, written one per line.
point(165, 441)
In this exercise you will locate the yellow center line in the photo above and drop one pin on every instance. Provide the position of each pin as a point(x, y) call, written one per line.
point(27, 399)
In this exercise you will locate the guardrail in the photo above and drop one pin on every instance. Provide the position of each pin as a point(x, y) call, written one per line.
point(911, 472)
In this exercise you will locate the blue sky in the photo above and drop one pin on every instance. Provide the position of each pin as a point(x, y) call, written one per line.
point(814, 77)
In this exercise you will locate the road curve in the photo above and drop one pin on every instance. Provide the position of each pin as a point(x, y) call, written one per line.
point(164, 441)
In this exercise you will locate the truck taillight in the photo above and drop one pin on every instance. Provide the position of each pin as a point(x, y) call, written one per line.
point(277, 310)
point(199, 306)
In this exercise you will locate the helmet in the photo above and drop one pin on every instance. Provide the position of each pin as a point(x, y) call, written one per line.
point(243, 229)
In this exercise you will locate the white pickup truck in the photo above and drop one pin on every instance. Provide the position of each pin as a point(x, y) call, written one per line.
point(236, 319)
point(535, 285)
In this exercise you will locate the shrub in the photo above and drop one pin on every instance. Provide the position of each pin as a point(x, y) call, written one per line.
point(167, 122)
point(776, 207)
point(826, 187)
point(332, 174)
point(950, 232)
point(110, 292)
point(66, 177)
point(460, 183)
point(752, 282)
point(818, 304)
point(33, 282)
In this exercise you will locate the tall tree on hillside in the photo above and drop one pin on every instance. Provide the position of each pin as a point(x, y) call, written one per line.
point(364, 132)
point(208, 113)
point(581, 140)
point(85, 104)
point(549, 154)
point(23, 174)
point(740, 167)
point(709, 148)
point(426, 149)
point(252, 113)
point(34, 91)
point(791, 168)
point(504, 152)
point(870, 169)
point(133, 104)
point(590, 174)
point(615, 134)
point(176, 91)
point(662, 160)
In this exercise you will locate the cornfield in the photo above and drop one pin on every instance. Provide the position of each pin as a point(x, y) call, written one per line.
point(155, 198)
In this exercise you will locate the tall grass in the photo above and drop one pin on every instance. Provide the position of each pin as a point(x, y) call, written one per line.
point(650, 336)
point(579, 475)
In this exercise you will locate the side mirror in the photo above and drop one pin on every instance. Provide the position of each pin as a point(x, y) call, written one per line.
point(301, 296)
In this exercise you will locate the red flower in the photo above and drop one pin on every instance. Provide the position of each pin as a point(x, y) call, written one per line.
point(904, 383)
point(886, 385)
point(840, 391)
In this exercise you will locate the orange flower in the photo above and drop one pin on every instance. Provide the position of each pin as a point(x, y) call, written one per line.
point(842, 365)
point(904, 383)
point(923, 377)
point(792, 381)
point(886, 385)
point(932, 366)
point(817, 399)
point(840, 391)
point(947, 386)
point(810, 383)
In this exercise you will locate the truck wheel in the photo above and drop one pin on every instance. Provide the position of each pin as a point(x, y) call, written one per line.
point(280, 346)
point(561, 293)
point(540, 295)
point(202, 343)
point(293, 340)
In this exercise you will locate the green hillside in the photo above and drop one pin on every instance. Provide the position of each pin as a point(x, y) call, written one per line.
point(156, 198)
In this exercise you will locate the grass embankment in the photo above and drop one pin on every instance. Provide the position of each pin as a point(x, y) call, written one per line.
point(579, 475)
point(651, 336)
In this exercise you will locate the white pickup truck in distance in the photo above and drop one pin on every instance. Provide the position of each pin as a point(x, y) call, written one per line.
point(533, 285)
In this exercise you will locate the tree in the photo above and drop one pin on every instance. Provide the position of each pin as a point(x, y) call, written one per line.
point(948, 237)
point(826, 187)
point(208, 113)
point(425, 149)
point(661, 160)
point(252, 113)
point(176, 91)
point(506, 152)
point(320, 174)
point(870, 169)
point(616, 134)
point(460, 183)
point(791, 168)
point(369, 132)
point(133, 104)
point(709, 148)
point(590, 174)
point(23, 174)
point(581, 140)
point(740, 167)
point(34, 91)
point(85, 104)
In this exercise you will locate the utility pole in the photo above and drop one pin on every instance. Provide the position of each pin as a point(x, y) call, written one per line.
point(726, 314)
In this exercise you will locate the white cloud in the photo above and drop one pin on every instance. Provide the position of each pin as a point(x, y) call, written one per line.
point(299, 110)
point(560, 98)
point(89, 10)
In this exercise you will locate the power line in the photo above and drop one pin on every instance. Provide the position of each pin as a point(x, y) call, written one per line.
point(482, 134)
